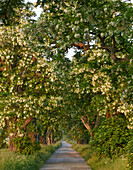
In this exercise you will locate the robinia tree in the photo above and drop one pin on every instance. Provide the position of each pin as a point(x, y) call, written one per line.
point(100, 80)
point(26, 82)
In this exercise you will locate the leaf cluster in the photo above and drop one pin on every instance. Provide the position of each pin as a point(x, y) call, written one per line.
point(24, 145)
point(111, 137)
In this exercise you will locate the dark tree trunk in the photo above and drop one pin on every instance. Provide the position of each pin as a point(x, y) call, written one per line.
point(14, 135)
point(45, 137)
point(48, 138)
point(12, 146)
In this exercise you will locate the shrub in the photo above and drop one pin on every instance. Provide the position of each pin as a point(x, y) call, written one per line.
point(130, 153)
point(24, 145)
point(3, 137)
point(18, 161)
point(111, 137)
point(92, 159)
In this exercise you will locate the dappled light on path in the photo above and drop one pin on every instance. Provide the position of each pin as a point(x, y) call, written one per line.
point(66, 158)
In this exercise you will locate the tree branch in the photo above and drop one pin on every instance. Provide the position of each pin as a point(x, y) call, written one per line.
point(26, 123)
point(1, 61)
point(81, 46)
point(97, 121)
point(87, 125)
point(111, 49)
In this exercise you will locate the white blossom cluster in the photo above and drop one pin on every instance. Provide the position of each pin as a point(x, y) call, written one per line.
point(27, 70)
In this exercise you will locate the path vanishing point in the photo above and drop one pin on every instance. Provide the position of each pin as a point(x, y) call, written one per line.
point(65, 158)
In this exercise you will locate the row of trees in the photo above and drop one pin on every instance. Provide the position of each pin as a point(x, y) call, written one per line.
point(28, 93)
point(38, 84)
point(98, 81)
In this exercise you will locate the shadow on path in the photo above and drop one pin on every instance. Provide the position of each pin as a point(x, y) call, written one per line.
point(66, 158)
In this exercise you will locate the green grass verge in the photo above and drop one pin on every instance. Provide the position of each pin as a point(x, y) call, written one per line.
point(15, 161)
point(117, 163)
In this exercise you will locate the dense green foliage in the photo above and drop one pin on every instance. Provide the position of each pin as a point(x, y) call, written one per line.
point(25, 145)
point(112, 137)
point(130, 153)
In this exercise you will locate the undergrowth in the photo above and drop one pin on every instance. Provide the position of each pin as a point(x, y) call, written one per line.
point(17, 161)
point(92, 159)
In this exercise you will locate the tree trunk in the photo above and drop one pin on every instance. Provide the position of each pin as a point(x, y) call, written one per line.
point(32, 137)
point(51, 138)
point(44, 137)
point(48, 138)
point(86, 123)
point(11, 145)
point(14, 135)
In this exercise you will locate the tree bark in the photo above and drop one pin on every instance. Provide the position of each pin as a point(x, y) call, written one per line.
point(86, 123)
point(48, 138)
point(1, 61)
point(26, 123)
point(52, 138)
point(11, 145)
point(82, 46)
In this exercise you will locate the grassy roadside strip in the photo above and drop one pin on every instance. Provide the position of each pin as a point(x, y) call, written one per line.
point(118, 163)
point(15, 161)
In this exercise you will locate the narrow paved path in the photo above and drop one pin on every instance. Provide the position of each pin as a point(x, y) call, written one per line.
point(66, 158)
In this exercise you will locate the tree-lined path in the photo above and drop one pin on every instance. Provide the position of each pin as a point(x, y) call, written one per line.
point(66, 158)
point(44, 95)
